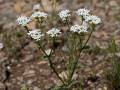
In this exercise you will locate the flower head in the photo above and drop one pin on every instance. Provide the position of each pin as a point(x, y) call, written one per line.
point(93, 19)
point(35, 34)
point(23, 20)
point(64, 14)
point(54, 32)
point(78, 28)
point(38, 15)
point(82, 12)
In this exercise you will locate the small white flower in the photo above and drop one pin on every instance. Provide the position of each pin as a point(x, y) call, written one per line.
point(48, 51)
point(35, 34)
point(83, 28)
point(93, 19)
point(36, 7)
point(82, 12)
point(64, 14)
point(75, 28)
point(54, 32)
point(1, 45)
point(23, 20)
point(78, 28)
point(39, 15)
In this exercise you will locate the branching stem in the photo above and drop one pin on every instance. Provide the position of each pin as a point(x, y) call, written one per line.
point(76, 62)
point(51, 64)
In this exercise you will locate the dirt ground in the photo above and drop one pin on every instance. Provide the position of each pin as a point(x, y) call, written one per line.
point(20, 59)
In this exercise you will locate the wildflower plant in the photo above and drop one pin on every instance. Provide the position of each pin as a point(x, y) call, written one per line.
point(77, 37)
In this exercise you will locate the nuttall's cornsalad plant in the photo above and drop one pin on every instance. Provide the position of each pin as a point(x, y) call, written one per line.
point(77, 37)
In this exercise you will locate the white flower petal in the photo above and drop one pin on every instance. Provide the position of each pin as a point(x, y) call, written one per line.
point(64, 14)
point(39, 15)
point(93, 19)
point(82, 12)
point(35, 34)
point(54, 32)
point(23, 20)
point(78, 28)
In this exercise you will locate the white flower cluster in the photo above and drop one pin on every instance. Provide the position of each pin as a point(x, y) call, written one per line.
point(82, 12)
point(54, 32)
point(23, 20)
point(39, 15)
point(85, 13)
point(93, 19)
point(35, 34)
point(78, 28)
point(64, 14)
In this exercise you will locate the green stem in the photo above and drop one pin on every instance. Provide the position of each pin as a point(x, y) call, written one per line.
point(76, 63)
point(80, 43)
point(71, 52)
point(54, 14)
point(51, 64)
point(67, 23)
point(54, 5)
point(42, 6)
point(39, 22)
point(26, 28)
point(74, 53)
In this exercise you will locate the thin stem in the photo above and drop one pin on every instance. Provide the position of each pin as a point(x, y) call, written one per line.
point(54, 70)
point(74, 53)
point(39, 20)
point(113, 46)
point(26, 28)
point(76, 63)
point(71, 52)
point(42, 6)
point(40, 23)
point(88, 38)
point(80, 42)
point(67, 23)
point(54, 13)
point(54, 5)
point(51, 64)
